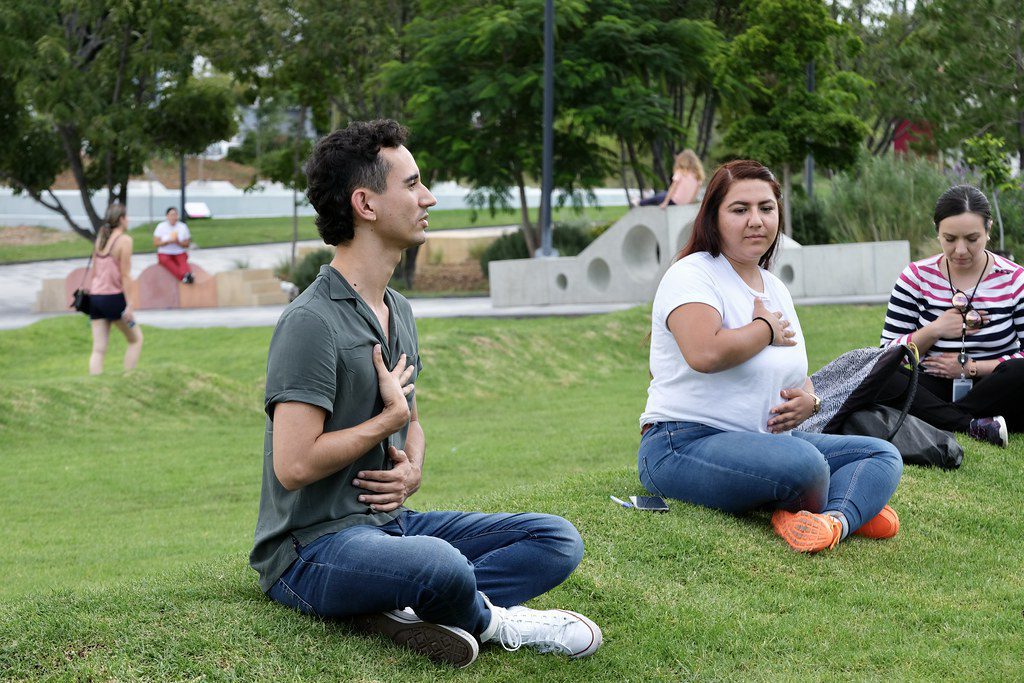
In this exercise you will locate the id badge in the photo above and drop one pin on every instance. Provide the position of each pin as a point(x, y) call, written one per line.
point(960, 388)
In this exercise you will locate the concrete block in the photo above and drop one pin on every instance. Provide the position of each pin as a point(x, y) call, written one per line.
point(264, 286)
point(157, 288)
point(232, 287)
point(623, 265)
point(202, 293)
point(53, 297)
point(269, 299)
point(517, 282)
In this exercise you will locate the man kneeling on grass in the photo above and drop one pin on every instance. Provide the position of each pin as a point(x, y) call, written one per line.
point(344, 446)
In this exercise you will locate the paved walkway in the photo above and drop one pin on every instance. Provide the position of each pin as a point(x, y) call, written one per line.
point(21, 282)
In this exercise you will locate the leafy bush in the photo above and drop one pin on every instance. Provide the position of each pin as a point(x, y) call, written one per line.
point(808, 215)
point(568, 238)
point(1011, 208)
point(308, 267)
point(886, 198)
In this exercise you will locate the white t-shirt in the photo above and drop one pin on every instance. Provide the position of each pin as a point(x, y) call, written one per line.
point(737, 399)
point(164, 230)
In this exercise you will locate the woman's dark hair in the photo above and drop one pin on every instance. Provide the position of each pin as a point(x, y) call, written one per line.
point(342, 162)
point(115, 212)
point(961, 199)
point(705, 236)
point(169, 209)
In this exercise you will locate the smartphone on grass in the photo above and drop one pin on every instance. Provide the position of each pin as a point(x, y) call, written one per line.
point(649, 503)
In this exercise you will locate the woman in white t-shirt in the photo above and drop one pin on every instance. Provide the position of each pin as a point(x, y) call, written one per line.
point(172, 240)
point(729, 385)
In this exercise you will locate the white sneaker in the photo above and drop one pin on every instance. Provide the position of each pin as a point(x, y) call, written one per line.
point(445, 644)
point(551, 630)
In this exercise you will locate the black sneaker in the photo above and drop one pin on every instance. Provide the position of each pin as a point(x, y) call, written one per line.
point(188, 278)
point(990, 429)
point(444, 644)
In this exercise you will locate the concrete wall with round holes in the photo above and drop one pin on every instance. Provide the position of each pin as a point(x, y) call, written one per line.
point(625, 264)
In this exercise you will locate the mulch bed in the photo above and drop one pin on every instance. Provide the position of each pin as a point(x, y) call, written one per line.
point(22, 235)
point(450, 277)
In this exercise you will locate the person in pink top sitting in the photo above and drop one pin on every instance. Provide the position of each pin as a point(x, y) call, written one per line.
point(172, 240)
point(687, 179)
point(112, 267)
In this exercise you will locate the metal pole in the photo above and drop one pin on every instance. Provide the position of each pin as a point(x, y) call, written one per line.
point(182, 212)
point(549, 115)
point(809, 161)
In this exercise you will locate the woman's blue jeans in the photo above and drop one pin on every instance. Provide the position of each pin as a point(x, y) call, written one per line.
point(741, 471)
point(435, 562)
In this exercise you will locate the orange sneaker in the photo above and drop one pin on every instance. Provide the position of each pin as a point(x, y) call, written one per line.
point(807, 532)
point(885, 524)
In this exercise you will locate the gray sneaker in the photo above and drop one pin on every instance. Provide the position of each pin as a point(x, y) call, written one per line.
point(990, 429)
point(444, 644)
point(551, 630)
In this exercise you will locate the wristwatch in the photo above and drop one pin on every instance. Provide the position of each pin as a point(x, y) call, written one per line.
point(817, 404)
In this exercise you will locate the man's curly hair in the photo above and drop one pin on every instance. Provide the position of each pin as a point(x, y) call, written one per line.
point(343, 161)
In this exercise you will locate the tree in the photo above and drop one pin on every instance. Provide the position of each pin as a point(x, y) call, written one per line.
point(651, 71)
point(771, 115)
point(977, 87)
point(930, 68)
point(623, 73)
point(987, 155)
point(316, 58)
point(892, 60)
point(85, 80)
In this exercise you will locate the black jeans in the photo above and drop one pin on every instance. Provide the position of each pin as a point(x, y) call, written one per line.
point(995, 394)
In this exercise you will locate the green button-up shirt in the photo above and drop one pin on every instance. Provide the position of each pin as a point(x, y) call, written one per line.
point(321, 354)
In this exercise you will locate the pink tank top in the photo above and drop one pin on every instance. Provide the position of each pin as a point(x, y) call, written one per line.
point(106, 273)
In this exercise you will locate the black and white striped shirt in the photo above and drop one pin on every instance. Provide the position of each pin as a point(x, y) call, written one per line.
point(922, 293)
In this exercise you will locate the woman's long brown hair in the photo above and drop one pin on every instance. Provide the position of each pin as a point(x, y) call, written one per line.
point(114, 214)
point(705, 236)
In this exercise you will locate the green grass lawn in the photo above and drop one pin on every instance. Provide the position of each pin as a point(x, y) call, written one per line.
point(228, 232)
point(130, 503)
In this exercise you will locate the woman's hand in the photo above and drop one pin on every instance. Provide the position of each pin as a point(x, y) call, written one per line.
point(950, 325)
point(944, 365)
point(798, 407)
point(783, 336)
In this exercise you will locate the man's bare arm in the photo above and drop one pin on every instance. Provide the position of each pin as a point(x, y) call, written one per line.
point(304, 453)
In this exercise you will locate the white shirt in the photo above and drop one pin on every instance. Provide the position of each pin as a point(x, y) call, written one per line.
point(164, 230)
point(737, 399)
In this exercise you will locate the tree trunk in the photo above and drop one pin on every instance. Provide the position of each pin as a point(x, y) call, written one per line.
point(658, 161)
point(56, 205)
point(409, 265)
point(1019, 87)
point(296, 172)
point(787, 212)
point(622, 172)
point(999, 218)
point(707, 121)
point(524, 209)
point(689, 116)
point(72, 150)
point(635, 163)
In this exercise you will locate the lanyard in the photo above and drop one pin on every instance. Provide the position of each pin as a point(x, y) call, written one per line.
point(960, 301)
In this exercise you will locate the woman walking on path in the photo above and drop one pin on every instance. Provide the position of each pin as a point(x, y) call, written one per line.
point(729, 385)
point(112, 266)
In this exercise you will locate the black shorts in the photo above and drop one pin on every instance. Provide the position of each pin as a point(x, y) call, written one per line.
point(107, 306)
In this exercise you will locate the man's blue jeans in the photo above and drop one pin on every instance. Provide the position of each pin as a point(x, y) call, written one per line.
point(741, 471)
point(435, 562)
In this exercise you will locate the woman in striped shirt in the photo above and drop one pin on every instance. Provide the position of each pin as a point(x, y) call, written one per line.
point(964, 309)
